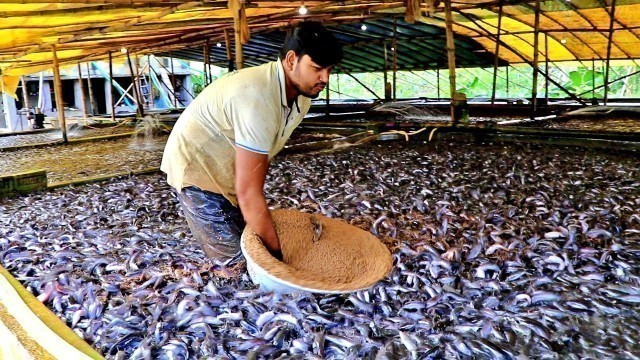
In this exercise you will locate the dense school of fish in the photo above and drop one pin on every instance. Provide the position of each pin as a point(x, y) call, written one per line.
point(500, 252)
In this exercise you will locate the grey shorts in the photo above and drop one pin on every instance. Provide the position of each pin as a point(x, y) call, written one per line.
point(214, 222)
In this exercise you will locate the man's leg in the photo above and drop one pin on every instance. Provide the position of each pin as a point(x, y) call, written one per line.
point(214, 222)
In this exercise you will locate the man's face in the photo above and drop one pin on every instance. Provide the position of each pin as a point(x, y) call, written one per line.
point(309, 78)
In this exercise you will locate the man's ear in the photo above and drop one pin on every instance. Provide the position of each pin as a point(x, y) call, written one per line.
point(290, 59)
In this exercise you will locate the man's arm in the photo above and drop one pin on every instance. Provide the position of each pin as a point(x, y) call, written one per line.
point(251, 171)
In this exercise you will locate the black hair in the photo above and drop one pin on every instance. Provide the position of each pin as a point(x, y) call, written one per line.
point(313, 39)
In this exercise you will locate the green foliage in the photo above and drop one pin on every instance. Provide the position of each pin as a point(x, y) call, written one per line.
point(478, 83)
point(198, 83)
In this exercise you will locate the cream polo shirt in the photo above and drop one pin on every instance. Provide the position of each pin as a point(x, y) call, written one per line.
point(246, 108)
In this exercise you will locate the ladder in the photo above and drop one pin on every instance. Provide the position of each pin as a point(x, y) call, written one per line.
point(145, 90)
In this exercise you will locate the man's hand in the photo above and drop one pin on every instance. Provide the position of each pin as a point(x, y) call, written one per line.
point(251, 171)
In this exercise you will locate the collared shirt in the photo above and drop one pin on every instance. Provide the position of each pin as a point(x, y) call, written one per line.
point(246, 108)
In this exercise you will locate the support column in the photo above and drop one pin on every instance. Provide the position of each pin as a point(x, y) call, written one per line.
point(150, 82)
point(451, 55)
point(82, 95)
point(9, 109)
point(496, 59)
point(438, 79)
point(387, 93)
point(140, 111)
point(57, 86)
point(204, 65)
point(239, 23)
point(227, 43)
point(113, 107)
point(593, 81)
point(395, 56)
point(40, 91)
point(612, 15)
point(327, 112)
point(92, 100)
point(546, 68)
point(534, 87)
point(173, 83)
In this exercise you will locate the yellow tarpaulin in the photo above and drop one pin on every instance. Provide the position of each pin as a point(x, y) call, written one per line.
point(9, 85)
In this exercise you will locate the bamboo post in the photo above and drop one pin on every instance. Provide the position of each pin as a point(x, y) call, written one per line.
point(140, 111)
point(151, 102)
point(546, 68)
point(57, 85)
point(209, 61)
point(40, 87)
point(204, 63)
point(451, 54)
point(593, 78)
point(385, 77)
point(496, 59)
point(534, 87)
point(395, 56)
point(173, 83)
point(238, 38)
point(227, 43)
point(113, 107)
point(609, 42)
point(25, 96)
point(507, 77)
point(438, 80)
point(92, 100)
point(82, 94)
point(327, 112)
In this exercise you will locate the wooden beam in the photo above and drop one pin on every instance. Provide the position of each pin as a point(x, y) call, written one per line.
point(395, 56)
point(609, 42)
point(57, 86)
point(451, 54)
point(113, 107)
point(534, 85)
point(82, 94)
point(227, 44)
point(496, 58)
point(173, 82)
point(92, 100)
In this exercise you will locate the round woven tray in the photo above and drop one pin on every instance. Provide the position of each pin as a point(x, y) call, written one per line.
point(343, 259)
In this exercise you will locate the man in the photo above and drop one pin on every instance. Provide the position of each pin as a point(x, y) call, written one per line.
point(218, 153)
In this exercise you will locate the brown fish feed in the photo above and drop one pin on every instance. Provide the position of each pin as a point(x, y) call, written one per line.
point(344, 258)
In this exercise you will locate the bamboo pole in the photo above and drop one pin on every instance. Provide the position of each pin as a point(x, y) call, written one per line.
point(204, 64)
point(534, 86)
point(546, 68)
point(209, 60)
point(593, 78)
point(395, 56)
point(40, 95)
point(92, 100)
point(82, 94)
point(150, 82)
point(237, 28)
point(227, 43)
point(113, 107)
point(140, 111)
point(496, 59)
point(327, 112)
point(57, 86)
point(25, 96)
point(173, 83)
point(451, 54)
point(438, 80)
point(507, 76)
point(386, 69)
point(609, 42)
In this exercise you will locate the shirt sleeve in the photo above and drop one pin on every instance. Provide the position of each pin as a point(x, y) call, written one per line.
point(254, 123)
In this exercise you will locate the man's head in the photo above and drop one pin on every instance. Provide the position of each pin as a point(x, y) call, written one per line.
point(308, 55)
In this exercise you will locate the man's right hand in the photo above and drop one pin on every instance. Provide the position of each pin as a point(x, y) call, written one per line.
point(251, 171)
